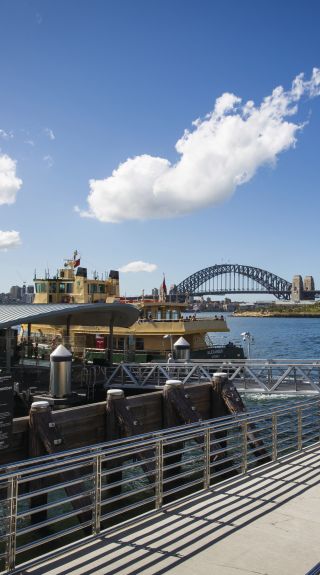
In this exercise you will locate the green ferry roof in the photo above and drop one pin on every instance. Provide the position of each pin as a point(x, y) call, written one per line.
point(92, 314)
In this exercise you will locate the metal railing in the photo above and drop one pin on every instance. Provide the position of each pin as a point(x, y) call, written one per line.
point(249, 376)
point(258, 376)
point(50, 501)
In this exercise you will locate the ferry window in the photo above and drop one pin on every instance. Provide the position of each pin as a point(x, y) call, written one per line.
point(101, 288)
point(120, 342)
point(41, 287)
point(61, 287)
point(159, 314)
point(92, 288)
point(52, 287)
point(139, 343)
point(175, 314)
point(69, 287)
point(168, 314)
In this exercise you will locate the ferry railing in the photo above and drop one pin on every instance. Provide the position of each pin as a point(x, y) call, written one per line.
point(54, 500)
point(260, 376)
point(181, 319)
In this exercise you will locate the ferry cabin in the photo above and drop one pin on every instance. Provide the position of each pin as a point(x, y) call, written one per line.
point(162, 321)
point(72, 285)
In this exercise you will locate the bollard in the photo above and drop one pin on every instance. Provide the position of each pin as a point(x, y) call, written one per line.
point(60, 372)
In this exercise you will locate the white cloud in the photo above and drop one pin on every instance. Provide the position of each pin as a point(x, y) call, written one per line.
point(221, 152)
point(49, 133)
point(9, 183)
point(138, 266)
point(9, 240)
point(6, 135)
point(48, 160)
point(29, 142)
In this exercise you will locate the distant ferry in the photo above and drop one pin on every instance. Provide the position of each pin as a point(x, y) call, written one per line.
point(157, 333)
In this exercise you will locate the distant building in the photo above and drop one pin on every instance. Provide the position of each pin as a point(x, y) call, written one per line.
point(18, 294)
point(248, 306)
point(15, 293)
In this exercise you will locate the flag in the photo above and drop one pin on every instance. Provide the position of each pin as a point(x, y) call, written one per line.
point(164, 287)
point(76, 263)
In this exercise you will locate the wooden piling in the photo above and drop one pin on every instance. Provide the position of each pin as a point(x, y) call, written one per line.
point(178, 409)
point(228, 395)
point(36, 449)
point(178, 405)
point(45, 437)
point(171, 390)
point(113, 431)
point(122, 422)
point(218, 406)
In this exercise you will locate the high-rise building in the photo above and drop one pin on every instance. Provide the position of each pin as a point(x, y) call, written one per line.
point(15, 292)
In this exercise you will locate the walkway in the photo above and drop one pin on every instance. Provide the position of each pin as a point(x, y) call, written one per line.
point(266, 523)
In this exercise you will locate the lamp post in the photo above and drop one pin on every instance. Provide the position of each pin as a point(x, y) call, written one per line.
point(167, 336)
point(246, 336)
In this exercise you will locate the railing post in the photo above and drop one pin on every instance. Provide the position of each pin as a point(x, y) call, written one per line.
point(12, 535)
point(244, 446)
point(274, 437)
point(96, 511)
point(159, 474)
point(207, 453)
point(299, 429)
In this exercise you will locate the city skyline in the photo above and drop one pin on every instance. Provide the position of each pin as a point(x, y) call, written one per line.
point(154, 138)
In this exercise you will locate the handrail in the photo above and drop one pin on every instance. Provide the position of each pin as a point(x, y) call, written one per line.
point(216, 424)
point(85, 484)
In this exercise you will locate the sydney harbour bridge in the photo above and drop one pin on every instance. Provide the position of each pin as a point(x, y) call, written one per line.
point(224, 279)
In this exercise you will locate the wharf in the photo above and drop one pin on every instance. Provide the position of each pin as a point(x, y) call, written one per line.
point(266, 522)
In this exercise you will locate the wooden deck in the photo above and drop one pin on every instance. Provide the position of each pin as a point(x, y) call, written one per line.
point(266, 523)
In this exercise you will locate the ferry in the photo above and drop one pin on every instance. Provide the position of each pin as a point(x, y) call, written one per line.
point(163, 328)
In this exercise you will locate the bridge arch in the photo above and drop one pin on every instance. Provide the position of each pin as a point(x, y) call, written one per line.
point(271, 283)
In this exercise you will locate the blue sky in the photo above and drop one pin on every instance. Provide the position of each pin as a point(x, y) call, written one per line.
point(88, 85)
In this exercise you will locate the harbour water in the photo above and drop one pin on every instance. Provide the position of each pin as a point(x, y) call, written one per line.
point(283, 338)
point(286, 338)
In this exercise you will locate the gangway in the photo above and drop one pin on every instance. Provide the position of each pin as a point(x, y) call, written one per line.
point(268, 376)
